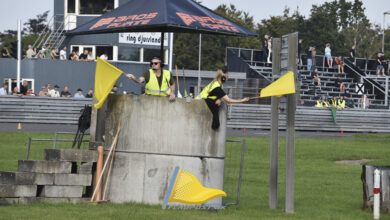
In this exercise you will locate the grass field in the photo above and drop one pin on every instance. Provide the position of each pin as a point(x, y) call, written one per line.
point(323, 189)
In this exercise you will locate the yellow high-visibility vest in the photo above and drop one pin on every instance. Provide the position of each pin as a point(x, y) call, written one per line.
point(326, 104)
point(206, 91)
point(153, 88)
point(319, 104)
point(340, 104)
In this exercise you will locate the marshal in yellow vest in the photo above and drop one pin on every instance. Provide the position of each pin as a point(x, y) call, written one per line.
point(152, 87)
point(206, 91)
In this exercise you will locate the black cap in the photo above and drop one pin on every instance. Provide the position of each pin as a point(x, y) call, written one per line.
point(79, 89)
point(56, 86)
point(224, 70)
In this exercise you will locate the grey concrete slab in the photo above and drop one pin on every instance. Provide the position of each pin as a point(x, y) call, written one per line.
point(73, 155)
point(72, 179)
point(29, 200)
point(44, 166)
point(146, 178)
point(25, 178)
point(18, 190)
point(85, 168)
point(155, 125)
point(62, 191)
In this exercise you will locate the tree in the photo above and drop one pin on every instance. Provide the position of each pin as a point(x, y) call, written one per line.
point(36, 25)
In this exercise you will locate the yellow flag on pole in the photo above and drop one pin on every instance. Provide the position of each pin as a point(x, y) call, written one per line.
point(283, 86)
point(105, 77)
point(188, 190)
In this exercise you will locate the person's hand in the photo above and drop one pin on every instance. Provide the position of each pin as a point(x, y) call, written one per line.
point(218, 102)
point(130, 76)
point(172, 96)
point(245, 99)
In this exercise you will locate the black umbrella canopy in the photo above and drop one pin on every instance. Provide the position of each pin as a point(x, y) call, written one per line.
point(162, 16)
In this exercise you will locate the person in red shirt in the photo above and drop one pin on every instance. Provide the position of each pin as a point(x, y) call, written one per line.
point(340, 64)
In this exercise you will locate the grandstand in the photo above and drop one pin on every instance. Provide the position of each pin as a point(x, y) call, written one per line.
point(363, 73)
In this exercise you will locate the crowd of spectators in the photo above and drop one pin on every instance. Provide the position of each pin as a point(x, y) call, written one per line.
point(47, 52)
point(46, 91)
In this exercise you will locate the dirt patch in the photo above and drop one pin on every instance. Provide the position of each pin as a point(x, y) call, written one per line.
point(353, 162)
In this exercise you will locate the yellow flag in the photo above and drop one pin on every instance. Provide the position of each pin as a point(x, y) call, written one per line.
point(187, 189)
point(283, 86)
point(105, 77)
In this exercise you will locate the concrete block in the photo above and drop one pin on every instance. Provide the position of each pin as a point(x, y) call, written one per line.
point(18, 191)
point(73, 179)
point(44, 166)
point(146, 178)
point(155, 125)
point(62, 191)
point(73, 155)
point(25, 178)
point(86, 168)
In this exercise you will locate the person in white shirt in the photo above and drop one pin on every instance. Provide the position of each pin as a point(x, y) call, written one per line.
point(30, 53)
point(79, 94)
point(90, 57)
point(54, 92)
point(63, 53)
point(104, 56)
point(328, 55)
point(3, 90)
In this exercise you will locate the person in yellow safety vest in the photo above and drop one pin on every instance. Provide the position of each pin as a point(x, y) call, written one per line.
point(159, 82)
point(319, 103)
point(334, 102)
point(341, 102)
point(326, 103)
point(213, 94)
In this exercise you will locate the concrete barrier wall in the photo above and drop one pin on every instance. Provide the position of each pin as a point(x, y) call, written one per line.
point(156, 136)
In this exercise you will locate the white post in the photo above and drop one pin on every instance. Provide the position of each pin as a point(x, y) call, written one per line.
point(171, 51)
point(377, 190)
point(199, 62)
point(19, 55)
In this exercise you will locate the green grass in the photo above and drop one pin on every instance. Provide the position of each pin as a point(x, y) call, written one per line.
point(323, 189)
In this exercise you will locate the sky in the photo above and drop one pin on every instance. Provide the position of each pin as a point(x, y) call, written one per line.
point(10, 11)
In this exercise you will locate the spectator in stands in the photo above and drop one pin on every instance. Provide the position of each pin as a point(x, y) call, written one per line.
point(384, 63)
point(340, 84)
point(79, 94)
point(309, 58)
point(364, 102)
point(114, 89)
point(299, 52)
point(63, 53)
point(352, 53)
point(41, 53)
point(328, 55)
point(327, 103)
point(334, 102)
point(84, 56)
point(269, 57)
point(104, 56)
point(65, 93)
point(265, 48)
point(313, 56)
point(340, 64)
point(316, 78)
point(16, 92)
point(48, 87)
point(73, 56)
point(89, 94)
point(379, 67)
point(319, 103)
point(47, 52)
point(4, 89)
point(348, 99)
point(30, 53)
point(341, 102)
point(90, 57)
point(54, 92)
point(30, 92)
point(43, 92)
point(24, 87)
point(5, 52)
point(54, 54)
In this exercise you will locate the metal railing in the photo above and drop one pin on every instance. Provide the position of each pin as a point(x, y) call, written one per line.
point(55, 140)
